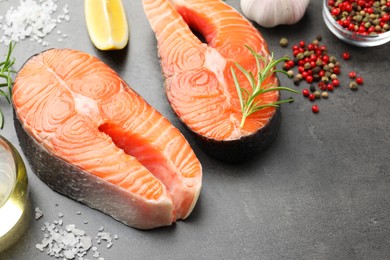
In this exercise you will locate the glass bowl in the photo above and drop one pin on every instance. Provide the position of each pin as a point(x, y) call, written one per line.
point(13, 194)
point(352, 38)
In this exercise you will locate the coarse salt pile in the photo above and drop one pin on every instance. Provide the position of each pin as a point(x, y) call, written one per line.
point(31, 19)
point(70, 242)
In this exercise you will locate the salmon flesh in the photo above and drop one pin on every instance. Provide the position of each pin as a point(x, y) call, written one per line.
point(198, 43)
point(89, 136)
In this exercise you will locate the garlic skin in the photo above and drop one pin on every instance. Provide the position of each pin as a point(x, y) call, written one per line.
point(269, 13)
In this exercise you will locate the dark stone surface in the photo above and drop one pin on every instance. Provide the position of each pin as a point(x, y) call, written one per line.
point(320, 191)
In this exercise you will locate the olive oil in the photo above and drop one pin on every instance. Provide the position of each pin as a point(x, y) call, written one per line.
point(13, 194)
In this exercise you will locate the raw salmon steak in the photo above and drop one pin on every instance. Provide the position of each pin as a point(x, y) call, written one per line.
point(198, 80)
point(89, 136)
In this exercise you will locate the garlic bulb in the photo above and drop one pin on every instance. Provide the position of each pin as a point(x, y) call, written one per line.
point(269, 13)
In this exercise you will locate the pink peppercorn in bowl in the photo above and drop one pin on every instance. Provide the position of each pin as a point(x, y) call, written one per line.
point(361, 23)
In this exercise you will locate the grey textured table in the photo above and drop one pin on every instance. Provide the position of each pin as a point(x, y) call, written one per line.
point(321, 191)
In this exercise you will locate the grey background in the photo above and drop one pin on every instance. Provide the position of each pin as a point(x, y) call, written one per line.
point(321, 191)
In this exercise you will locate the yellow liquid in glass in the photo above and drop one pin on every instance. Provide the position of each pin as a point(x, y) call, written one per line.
point(13, 194)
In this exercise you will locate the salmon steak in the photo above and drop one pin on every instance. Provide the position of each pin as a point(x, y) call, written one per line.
point(89, 136)
point(198, 43)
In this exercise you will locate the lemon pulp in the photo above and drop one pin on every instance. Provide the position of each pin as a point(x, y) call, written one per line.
point(107, 24)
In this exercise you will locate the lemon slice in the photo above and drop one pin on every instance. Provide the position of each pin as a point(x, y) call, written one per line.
point(106, 24)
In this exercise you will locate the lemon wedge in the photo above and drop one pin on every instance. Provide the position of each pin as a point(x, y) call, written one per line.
point(107, 24)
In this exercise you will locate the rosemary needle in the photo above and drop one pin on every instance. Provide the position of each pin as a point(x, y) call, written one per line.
point(247, 98)
point(5, 75)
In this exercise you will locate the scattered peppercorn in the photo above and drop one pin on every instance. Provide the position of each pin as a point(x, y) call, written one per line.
point(359, 80)
point(353, 85)
point(283, 42)
point(324, 94)
point(352, 75)
point(315, 109)
point(290, 73)
point(312, 97)
point(346, 55)
point(305, 92)
point(317, 94)
point(312, 88)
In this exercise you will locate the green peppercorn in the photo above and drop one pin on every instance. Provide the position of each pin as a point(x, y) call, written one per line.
point(358, 18)
point(353, 85)
point(325, 79)
point(307, 66)
point(317, 94)
point(290, 73)
point(327, 74)
point(333, 76)
point(324, 94)
point(306, 53)
point(298, 76)
point(283, 42)
point(319, 62)
point(331, 65)
point(326, 67)
point(300, 56)
point(315, 42)
point(332, 59)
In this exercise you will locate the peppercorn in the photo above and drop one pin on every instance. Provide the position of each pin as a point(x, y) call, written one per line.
point(333, 76)
point(283, 42)
point(290, 73)
point(312, 88)
point(312, 97)
point(324, 94)
point(298, 76)
point(296, 82)
point(315, 109)
point(319, 38)
point(305, 92)
point(352, 75)
point(317, 94)
point(359, 80)
point(353, 85)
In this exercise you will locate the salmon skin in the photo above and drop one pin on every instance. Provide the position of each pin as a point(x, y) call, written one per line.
point(89, 136)
point(198, 80)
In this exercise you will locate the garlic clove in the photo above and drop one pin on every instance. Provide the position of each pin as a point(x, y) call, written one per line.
point(269, 13)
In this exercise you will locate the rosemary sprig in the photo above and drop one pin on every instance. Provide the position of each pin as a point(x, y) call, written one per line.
point(5, 75)
point(247, 98)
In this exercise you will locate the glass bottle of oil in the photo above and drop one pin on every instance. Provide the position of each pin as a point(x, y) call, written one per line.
point(13, 194)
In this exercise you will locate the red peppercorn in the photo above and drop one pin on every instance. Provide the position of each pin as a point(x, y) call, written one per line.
point(359, 80)
point(302, 44)
point(309, 79)
point(336, 82)
point(329, 87)
point(335, 11)
point(290, 63)
point(325, 59)
point(385, 17)
point(315, 109)
point(321, 73)
point(352, 75)
point(305, 74)
point(346, 55)
point(336, 70)
point(312, 97)
point(305, 92)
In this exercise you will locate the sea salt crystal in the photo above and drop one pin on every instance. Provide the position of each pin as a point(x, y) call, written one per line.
point(31, 19)
point(71, 242)
point(38, 213)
